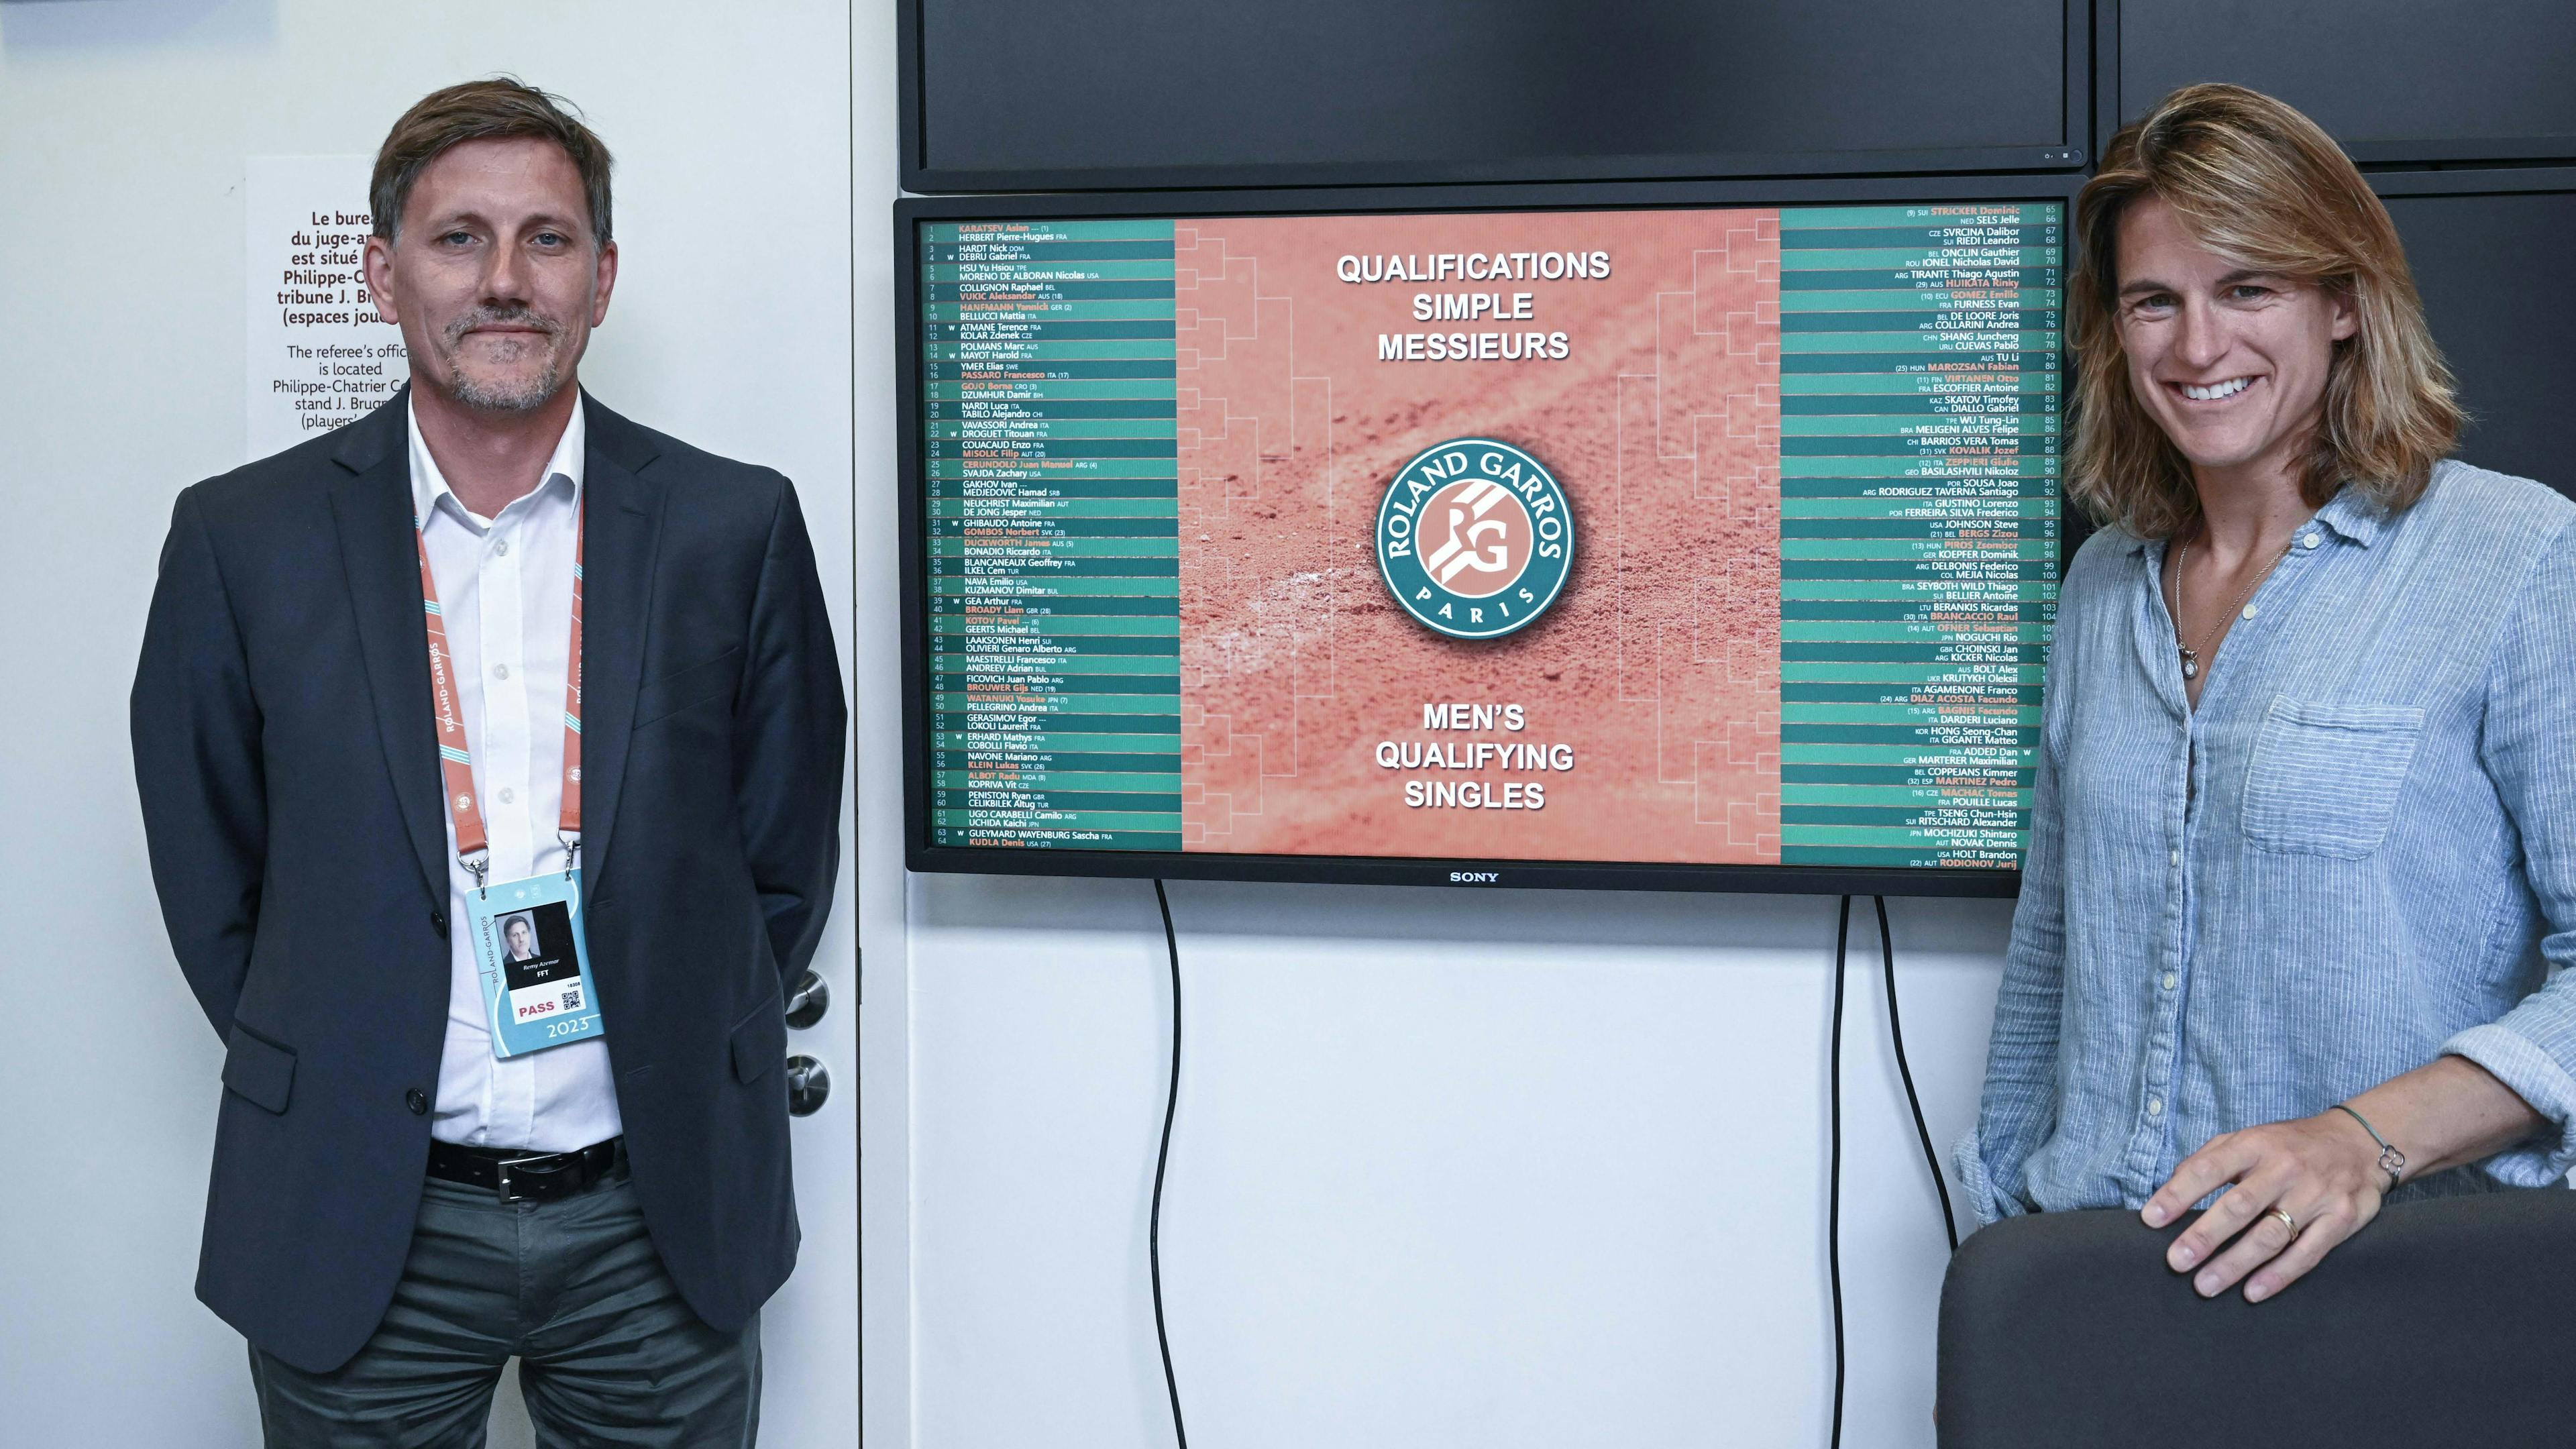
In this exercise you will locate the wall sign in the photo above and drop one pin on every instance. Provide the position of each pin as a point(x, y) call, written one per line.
point(317, 356)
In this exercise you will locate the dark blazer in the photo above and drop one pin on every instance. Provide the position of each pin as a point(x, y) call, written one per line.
point(289, 773)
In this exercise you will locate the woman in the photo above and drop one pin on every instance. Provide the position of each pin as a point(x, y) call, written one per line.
point(2304, 846)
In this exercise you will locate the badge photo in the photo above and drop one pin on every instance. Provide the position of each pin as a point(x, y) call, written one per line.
point(534, 964)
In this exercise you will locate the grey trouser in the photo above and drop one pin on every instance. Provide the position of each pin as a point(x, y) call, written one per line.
point(608, 1352)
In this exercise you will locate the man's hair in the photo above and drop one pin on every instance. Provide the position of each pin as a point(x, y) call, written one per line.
point(483, 110)
point(2257, 182)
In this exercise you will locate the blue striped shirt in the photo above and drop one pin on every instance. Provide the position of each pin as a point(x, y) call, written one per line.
point(2357, 854)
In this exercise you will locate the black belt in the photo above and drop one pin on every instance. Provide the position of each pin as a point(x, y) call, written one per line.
point(520, 1175)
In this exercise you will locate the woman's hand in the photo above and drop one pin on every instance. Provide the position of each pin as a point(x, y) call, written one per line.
point(2323, 1171)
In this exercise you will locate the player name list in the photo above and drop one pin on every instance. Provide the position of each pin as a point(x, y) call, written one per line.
point(1054, 534)
point(1918, 527)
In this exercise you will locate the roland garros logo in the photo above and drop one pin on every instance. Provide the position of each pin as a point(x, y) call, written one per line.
point(1474, 538)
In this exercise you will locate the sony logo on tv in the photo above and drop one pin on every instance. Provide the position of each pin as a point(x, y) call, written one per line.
point(1475, 877)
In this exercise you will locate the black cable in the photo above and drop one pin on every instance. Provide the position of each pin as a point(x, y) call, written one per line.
point(1162, 1154)
point(1834, 1165)
point(1834, 1151)
point(1896, 1034)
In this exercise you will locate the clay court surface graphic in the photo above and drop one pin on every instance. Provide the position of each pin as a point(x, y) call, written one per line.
point(1658, 666)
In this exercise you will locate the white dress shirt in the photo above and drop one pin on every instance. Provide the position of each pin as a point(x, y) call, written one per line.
point(505, 592)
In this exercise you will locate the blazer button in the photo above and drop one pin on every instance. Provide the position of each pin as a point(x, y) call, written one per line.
point(438, 920)
point(418, 1101)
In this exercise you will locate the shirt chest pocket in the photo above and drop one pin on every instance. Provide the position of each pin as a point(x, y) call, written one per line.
point(2324, 779)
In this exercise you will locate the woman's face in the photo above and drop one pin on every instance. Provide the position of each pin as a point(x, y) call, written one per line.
point(2230, 361)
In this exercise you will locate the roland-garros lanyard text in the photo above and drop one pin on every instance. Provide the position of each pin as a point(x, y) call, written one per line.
point(456, 760)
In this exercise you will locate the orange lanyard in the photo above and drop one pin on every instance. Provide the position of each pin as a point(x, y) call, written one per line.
point(456, 760)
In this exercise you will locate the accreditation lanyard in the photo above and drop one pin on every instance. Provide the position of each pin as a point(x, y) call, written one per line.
point(456, 759)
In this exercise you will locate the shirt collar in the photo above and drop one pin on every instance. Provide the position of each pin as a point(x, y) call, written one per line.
point(563, 468)
point(2349, 515)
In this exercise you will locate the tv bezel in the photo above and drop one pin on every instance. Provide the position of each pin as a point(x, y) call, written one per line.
point(2084, 47)
point(911, 213)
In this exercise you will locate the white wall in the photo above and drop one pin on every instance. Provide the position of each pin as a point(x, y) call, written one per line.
point(1477, 1169)
point(123, 127)
point(1474, 1169)
point(1497, 1169)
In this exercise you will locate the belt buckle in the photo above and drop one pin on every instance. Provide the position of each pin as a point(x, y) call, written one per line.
point(511, 1192)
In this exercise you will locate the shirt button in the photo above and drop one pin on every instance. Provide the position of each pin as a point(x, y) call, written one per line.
point(2155, 1106)
point(502, 548)
point(506, 796)
point(500, 671)
point(2309, 541)
point(2173, 857)
point(418, 1101)
point(2169, 981)
point(2249, 611)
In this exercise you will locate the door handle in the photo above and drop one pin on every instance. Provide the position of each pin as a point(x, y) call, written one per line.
point(808, 1000)
point(809, 1085)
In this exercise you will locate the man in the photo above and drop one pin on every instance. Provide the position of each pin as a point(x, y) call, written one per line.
point(491, 645)
point(523, 945)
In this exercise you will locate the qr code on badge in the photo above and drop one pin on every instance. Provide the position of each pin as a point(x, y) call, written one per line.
point(572, 998)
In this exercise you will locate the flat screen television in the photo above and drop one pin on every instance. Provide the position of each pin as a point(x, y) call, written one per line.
point(1698, 537)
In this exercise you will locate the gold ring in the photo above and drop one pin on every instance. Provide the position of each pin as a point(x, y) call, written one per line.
point(2287, 1221)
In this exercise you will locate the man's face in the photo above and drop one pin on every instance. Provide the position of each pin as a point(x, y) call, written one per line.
point(518, 938)
point(493, 274)
point(2230, 361)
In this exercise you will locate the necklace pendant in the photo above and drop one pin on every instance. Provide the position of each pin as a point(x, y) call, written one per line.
point(2190, 666)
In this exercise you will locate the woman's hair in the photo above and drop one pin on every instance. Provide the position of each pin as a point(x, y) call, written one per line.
point(2260, 184)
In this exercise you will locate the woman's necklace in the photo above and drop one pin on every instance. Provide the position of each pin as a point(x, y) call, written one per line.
point(2191, 656)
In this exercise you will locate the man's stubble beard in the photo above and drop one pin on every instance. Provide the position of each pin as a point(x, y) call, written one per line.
point(513, 397)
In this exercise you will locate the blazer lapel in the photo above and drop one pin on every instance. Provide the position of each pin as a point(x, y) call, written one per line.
point(372, 508)
point(621, 545)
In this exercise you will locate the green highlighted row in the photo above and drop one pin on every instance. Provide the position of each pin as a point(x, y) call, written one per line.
point(1907, 716)
point(1040, 430)
point(1004, 510)
point(1059, 839)
point(1130, 626)
point(1951, 469)
point(1039, 779)
point(985, 798)
point(1038, 704)
point(1929, 384)
point(1061, 819)
point(1068, 270)
point(1065, 547)
point(1913, 798)
point(1929, 297)
point(1900, 837)
point(1046, 231)
point(1068, 671)
point(1856, 631)
point(1072, 477)
point(1917, 550)
point(1797, 221)
point(1036, 590)
point(998, 354)
point(1928, 511)
point(1956, 427)
point(1077, 741)
point(1091, 309)
point(1885, 344)
point(1838, 259)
